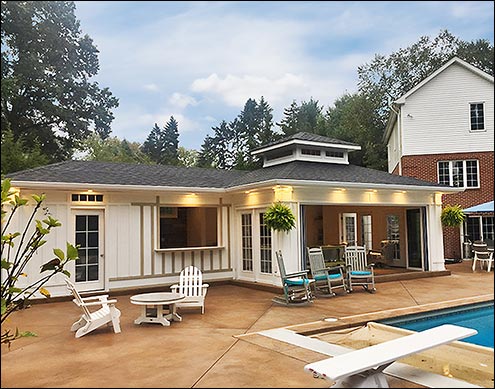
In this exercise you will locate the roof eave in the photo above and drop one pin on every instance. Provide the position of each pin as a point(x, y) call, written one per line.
point(305, 143)
point(340, 184)
point(111, 187)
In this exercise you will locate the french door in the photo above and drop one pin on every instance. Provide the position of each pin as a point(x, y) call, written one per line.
point(348, 228)
point(88, 235)
point(256, 247)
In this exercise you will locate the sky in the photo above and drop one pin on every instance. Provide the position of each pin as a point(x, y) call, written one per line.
point(200, 61)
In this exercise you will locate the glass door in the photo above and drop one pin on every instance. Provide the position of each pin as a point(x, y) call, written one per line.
point(348, 229)
point(88, 229)
point(414, 239)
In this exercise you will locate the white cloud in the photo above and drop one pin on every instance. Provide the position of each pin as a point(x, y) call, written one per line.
point(151, 87)
point(235, 90)
point(182, 101)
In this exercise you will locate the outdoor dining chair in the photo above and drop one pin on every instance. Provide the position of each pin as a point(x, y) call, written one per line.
point(482, 255)
point(359, 273)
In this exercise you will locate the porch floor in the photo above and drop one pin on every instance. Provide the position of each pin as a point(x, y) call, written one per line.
point(208, 350)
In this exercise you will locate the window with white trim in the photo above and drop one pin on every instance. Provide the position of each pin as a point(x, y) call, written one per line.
point(461, 174)
point(477, 116)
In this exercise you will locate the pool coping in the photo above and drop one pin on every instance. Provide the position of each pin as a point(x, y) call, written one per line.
point(336, 323)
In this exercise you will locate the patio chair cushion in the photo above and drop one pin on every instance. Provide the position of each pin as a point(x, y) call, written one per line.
point(298, 282)
point(360, 273)
point(324, 277)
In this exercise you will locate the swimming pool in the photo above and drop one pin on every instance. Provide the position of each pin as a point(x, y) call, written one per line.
point(478, 316)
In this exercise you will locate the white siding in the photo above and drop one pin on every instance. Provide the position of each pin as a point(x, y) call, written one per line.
point(436, 118)
point(393, 147)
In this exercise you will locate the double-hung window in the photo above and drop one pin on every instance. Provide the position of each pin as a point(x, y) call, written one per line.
point(477, 116)
point(461, 174)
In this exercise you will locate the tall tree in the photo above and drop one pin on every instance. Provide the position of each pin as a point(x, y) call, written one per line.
point(170, 143)
point(48, 98)
point(16, 157)
point(187, 157)
point(289, 123)
point(154, 144)
point(218, 151)
point(354, 118)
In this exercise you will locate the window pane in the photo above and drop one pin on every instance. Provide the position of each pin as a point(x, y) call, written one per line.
point(443, 173)
point(93, 273)
point(188, 227)
point(457, 174)
point(477, 117)
point(93, 256)
point(80, 223)
point(81, 239)
point(93, 239)
point(472, 174)
point(92, 223)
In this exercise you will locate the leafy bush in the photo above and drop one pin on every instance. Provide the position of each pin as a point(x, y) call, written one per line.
point(18, 248)
point(452, 216)
point(279, 217)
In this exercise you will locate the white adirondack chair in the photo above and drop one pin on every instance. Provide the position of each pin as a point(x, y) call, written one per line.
point(90, 321)
point(191, 285)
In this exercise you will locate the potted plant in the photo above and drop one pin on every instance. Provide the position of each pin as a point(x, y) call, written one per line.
point(452, 216)
point(279, 217)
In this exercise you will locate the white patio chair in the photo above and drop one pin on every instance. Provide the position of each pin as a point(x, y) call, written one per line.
point(482, 255)
point(191, 285)
point(90, 321)
point(359, 273)
point(296, 285)
point(327, 279)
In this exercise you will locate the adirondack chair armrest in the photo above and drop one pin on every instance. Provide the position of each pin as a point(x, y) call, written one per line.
point(205, 286)
point(174, 287)
point(100, 303)
point(90, 298)
point(303, 273)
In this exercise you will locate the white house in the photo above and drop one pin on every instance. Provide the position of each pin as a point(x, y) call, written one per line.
point(442, 131)
point(140, 225)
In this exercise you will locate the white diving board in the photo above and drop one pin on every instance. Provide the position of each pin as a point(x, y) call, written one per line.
point(363, 368)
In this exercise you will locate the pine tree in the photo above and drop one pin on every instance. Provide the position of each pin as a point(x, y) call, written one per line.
point(170, 143)
point(153, 145)
point(289, 124)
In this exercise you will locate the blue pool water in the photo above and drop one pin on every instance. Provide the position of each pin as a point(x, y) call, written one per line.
point(477, 316)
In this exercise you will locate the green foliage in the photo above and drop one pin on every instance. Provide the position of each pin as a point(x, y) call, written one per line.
point(17, 249)
point(187, 157)
point(112, 149)
point(307, 117)
point(48, 97)
point(16, 156)
point(161, 145)
point(279, 217)
point(386, 78)
point(452, 216)
point(230, 146)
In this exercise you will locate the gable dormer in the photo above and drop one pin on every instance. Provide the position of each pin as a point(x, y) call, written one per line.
point(304, 146)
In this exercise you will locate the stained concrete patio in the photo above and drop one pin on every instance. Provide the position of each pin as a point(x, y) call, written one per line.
point(207, 350)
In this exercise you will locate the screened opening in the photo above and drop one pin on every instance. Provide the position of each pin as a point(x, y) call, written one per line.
point(188, 227)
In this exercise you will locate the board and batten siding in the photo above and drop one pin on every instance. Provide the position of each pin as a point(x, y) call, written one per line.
point(436, 117)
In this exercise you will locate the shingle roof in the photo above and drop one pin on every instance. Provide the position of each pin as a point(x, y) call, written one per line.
point(307, 137)
point(110, 173)
point(326, 172)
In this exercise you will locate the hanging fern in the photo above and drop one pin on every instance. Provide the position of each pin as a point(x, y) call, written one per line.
point(279, 217)
point(452, 216)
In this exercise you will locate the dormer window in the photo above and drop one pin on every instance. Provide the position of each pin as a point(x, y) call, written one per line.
point(334, 154)
point(310, 152)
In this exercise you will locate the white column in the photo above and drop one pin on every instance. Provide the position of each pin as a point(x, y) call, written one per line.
point(435, 237)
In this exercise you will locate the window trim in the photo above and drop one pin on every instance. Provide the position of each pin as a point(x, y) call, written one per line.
point(484, 116)
point(464, 172)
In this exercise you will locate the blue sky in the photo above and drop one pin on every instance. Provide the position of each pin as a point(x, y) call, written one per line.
point(201, 61)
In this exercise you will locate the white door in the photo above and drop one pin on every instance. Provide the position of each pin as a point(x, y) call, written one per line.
point(348, 228)
point(256, 248)
point(88, 234)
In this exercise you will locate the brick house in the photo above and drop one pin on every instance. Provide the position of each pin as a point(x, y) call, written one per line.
point(442, 131)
